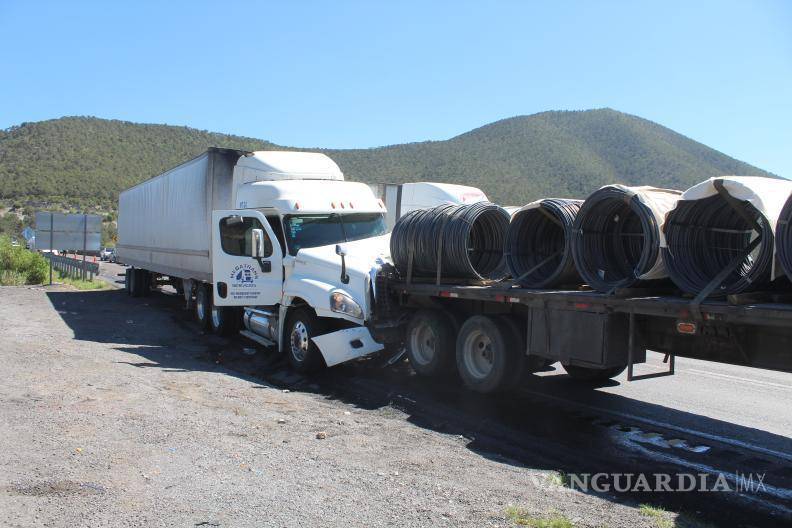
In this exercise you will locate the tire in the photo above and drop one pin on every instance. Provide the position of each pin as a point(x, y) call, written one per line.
point(301, 326)
point(139, 285)
point(592, 374)
point(523, 364)
point(485, 357)
point(143, 283)
point(128, 281)
point(223, 319)
point(431, 342)
point(203, 306)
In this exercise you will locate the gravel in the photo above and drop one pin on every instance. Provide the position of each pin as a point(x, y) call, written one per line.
point(112, 414)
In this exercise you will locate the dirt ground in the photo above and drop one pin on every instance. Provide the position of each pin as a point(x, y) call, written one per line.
point(113, 414)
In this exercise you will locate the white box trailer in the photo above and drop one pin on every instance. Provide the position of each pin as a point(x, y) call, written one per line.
point(165, 222)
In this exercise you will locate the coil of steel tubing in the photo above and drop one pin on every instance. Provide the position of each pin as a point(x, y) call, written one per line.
point(539, 244)
point(784, 238)
point(704, 237)
point(616, 238)
point(472, 237)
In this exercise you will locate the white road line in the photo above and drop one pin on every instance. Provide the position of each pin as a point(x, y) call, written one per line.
point(664, 425)
point(737, 378)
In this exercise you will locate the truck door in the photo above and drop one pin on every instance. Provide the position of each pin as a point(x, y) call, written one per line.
point(240, 277)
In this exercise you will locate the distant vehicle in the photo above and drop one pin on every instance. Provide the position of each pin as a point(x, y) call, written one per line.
point(111, 256)
point(105, 253)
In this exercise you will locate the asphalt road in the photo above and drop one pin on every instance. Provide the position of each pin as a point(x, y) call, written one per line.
point(708, 417)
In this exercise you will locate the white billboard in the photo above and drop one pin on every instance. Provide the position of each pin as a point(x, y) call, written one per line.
point(59, 231)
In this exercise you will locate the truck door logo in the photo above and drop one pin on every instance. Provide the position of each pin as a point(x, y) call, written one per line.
point(243, 275)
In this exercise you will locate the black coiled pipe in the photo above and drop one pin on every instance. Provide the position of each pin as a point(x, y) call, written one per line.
point(616, 239)
point(704, 237)
point(473, 238)
point(539, 244)
point(784, 238)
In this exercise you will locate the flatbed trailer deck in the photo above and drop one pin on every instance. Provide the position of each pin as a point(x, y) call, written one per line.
point(601, 333)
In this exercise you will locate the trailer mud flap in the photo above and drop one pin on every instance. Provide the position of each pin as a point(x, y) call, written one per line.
point(343, 345)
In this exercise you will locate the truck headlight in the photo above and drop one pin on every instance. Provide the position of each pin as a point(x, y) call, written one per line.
point(344, 304)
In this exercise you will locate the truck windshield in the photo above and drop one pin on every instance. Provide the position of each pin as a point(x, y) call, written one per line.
point(314, 230)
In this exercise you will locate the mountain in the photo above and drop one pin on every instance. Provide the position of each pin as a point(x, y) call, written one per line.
point(84, 162)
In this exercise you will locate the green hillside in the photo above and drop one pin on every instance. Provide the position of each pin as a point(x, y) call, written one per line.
point(84, 162)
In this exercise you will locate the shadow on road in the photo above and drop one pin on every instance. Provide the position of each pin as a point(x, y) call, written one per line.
point(552, 423)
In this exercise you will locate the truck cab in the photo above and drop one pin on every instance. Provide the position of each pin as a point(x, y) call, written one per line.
point(297, 255)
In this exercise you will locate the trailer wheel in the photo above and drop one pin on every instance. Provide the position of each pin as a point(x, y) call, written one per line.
point(143, 283)
point(592, 374)
point(304, 356)
point(485, 354)
point(203, 306)
point(223, 319)
point(431, 342)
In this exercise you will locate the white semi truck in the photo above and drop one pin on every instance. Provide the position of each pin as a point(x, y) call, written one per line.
point(274, 244)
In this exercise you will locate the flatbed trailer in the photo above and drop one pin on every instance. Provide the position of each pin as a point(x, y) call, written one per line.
point(594, 335)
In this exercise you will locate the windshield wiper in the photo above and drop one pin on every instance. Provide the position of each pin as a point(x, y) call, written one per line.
point(341, 222)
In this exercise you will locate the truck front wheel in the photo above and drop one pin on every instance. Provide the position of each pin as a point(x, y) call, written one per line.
point(224, 319)
point(304, 355)
point(431, 342)
point(488, 354)
point(203, 306)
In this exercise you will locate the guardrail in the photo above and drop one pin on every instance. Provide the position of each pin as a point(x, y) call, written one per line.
point(73, 268)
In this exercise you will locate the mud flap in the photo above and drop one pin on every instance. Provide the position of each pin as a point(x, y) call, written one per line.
point(343, 345)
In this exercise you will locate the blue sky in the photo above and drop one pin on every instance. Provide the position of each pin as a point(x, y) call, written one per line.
point(361, 74)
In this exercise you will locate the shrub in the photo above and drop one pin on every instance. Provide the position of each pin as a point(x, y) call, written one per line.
point(20, 266)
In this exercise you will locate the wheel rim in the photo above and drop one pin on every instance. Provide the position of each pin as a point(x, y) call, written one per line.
point(215, 317)
point(423, 343)
point(200, 308)
point(478, 356)
point(299, 341)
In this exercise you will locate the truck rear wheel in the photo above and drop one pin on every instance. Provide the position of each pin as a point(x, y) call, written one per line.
point(138, 282)
point(203, 306)
point(592, 374)
point(431, 342)
point(304, 356)
point(487, 354)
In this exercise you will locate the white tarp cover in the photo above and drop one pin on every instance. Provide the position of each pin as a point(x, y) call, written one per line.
point(660, 202)
point(767, 195)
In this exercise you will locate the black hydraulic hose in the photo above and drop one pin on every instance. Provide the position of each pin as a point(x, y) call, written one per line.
point(706, 236)
point(539, 244)
point(470, 238)
point(784, 238)
point(616, 238)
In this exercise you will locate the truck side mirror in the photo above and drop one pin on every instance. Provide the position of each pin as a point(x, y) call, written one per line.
point(257, 236)
point(341, 251)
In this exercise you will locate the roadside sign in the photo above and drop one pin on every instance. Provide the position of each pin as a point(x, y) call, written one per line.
point(58, 231)
point(28, 233)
